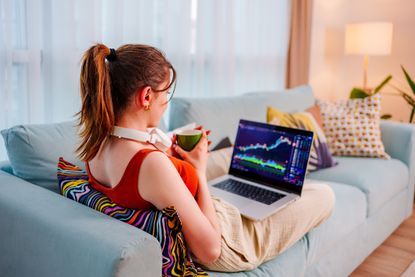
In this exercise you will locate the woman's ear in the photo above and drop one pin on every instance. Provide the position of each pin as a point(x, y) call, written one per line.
point(143, 97)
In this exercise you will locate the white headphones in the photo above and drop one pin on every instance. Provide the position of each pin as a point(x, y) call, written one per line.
point(154, 136)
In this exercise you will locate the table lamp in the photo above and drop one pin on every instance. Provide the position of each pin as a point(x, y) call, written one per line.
point(374, 39)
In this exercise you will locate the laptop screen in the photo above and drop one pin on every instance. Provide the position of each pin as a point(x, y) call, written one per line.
point(272, 155)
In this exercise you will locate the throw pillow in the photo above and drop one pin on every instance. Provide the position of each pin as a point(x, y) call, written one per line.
point(316, 113)
point(352, 127)
point(225, 142)
point(164, 225)
point(33, 148)
point(320, 155)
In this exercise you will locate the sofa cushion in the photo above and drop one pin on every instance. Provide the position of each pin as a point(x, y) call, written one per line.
point(33, 150)
point(221, 115)
point(349, 212)
point(164, 225)
point(379, 179)
point(292, 262)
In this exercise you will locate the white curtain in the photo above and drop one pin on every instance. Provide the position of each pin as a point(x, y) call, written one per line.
point(219, 48)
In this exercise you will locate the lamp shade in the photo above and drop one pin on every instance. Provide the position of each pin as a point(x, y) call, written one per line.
point(369, 38)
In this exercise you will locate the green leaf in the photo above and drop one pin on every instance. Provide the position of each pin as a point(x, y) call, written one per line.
point(408, 78)
point(386, 116)
point(384, 82)
point(358, 93)
point(412, 115)
point(408, 99)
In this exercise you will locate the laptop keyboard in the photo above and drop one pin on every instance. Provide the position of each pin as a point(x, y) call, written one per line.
point(249, 191)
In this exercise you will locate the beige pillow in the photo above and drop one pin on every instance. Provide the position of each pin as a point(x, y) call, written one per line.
point(352, 127)
point(218, 163)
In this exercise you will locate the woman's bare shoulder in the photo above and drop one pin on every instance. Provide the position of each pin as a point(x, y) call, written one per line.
point(156, 159)
point(158, 175)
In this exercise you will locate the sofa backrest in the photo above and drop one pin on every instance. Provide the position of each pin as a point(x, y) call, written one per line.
point(221, 115)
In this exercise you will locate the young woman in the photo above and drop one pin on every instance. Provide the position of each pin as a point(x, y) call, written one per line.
point(130, 88)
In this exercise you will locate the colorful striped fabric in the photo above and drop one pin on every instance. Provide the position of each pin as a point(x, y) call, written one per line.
point(164, 225)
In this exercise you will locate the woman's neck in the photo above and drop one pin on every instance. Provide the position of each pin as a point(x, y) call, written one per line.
point(133, 123)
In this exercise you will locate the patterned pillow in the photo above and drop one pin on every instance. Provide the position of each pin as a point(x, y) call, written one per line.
point(352, 127)
point(164, 225)
point(320, 156)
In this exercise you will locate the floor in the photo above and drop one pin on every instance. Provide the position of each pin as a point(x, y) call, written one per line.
point(394, 256)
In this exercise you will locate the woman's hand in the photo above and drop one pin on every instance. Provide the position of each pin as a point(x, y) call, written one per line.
point(198, 156)
point(171, 151)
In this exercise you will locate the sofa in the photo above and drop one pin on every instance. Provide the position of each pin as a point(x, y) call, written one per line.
point(45, 234)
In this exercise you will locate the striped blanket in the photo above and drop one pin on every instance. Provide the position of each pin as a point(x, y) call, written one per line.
point(164, 225)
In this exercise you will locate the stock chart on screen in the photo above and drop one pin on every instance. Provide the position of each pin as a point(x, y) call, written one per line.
point(273, 154)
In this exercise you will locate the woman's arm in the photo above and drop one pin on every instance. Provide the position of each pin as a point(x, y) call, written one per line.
point(198, 158)
point(161, 185)
point(205, 203)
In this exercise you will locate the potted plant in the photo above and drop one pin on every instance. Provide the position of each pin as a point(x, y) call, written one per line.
point(409, 97)
point(357, 93)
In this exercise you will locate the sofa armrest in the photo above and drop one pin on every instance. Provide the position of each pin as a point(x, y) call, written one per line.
point(45, 234)
point(399, 141)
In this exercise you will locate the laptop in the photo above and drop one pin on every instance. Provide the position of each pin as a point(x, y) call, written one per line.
point(267, 169)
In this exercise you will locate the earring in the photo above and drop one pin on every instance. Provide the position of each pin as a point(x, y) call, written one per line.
point(147, 107)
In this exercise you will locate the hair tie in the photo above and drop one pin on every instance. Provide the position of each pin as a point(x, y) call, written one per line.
point(112, 56)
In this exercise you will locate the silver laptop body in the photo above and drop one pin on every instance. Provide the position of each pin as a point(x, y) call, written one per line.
point(267, 169)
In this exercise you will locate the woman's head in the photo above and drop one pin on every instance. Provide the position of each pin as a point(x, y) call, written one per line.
point(134, 78)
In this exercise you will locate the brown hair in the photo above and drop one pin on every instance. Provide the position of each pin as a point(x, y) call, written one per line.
point(108, 86)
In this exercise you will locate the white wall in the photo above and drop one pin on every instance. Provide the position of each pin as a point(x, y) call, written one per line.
point(333, 74)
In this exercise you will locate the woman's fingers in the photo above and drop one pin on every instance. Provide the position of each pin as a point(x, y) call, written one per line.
point(180, 151)
point(200, 127)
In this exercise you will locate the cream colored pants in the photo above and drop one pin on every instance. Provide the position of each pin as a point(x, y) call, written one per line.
point(246, 244)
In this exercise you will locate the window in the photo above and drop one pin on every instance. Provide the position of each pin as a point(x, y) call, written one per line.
point(219, 48)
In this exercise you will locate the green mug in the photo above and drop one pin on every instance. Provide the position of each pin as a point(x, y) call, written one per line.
point(187, 139)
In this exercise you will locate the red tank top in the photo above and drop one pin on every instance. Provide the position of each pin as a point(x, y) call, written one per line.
point(126, 194)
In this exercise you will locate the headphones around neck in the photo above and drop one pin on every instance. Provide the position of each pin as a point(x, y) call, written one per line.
point(154, 136)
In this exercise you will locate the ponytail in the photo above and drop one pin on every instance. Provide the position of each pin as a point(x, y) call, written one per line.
point(96, 117)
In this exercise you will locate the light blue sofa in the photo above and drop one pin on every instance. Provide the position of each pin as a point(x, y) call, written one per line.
point(45, 234)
